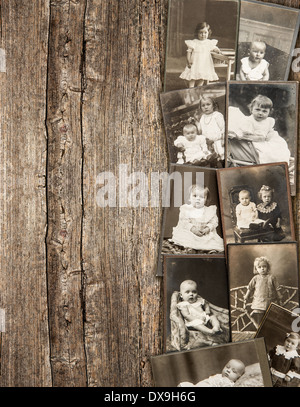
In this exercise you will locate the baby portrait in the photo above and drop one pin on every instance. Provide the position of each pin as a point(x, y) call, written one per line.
point(256, 204)
point(282, 344)
point(262, 125)
point(196, 311)
point(194, 122)
point(191, 223)
point(243, 364)
point(267, 37)
point(269, 275)
point(201, 42)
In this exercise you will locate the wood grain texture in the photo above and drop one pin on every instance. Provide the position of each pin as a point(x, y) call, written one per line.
point(80, 96)
point(25, 343)
point(64, 209)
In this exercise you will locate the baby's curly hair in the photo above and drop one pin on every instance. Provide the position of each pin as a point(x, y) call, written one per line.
point(259, 260)
point(265, 188)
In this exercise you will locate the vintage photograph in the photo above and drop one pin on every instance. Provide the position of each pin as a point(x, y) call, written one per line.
point(243, 364)
point(196, 305)
point(280, 330)
point(191, 221)
point(260, 274)
point(266, 40)
point(194, 122)
point(201, 42)
point(256, 204)
point(262, 125)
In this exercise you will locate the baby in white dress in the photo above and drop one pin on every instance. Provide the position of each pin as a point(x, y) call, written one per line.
point(259, 128)
point(255, 67)
point(193, 146)
point(246, 211)
point(195, 310)
point(197, 223)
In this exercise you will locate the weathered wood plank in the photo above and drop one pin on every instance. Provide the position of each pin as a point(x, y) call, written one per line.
point(25, 343)
point(122, 125)
point(64, 169)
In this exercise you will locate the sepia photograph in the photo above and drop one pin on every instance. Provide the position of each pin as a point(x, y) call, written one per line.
point(262, 125)
point(194, 122)
point(260, 274)
point(196, 306)
point(266, 40)
point(280, 330)
point(241, 364)
point(191, 220)
point(255, 204)
point(201, 42)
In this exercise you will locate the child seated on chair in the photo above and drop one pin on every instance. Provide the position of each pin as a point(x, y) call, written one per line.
point(192, 146)
point(231, 372)
point(269, 211)
point(246, 211)
point(196, 311)
point(259, 129)
point(197, 224)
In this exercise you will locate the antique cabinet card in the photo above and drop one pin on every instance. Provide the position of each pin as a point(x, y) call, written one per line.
point(201, 42)
point(196, 309)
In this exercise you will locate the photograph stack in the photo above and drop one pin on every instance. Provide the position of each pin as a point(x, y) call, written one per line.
point(228, 249)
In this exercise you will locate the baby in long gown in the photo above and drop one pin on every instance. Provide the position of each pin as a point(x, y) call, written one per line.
point(197, 224)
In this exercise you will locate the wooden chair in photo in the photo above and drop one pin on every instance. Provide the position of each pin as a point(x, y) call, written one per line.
point(224, 62)
point(183, 338)
point(242, 324)
point(242, 235)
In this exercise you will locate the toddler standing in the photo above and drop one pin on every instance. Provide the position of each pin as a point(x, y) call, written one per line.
point(264, 287)
point(200, 66)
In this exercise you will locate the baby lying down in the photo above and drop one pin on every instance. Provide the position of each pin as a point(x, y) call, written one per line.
point(232, 371)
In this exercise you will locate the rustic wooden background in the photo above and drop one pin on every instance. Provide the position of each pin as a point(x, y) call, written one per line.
point(80, 96)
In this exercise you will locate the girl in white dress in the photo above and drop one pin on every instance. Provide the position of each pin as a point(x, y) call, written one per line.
point(200, 66)
point(197, 223)
point(212, 124)
point(259, 128)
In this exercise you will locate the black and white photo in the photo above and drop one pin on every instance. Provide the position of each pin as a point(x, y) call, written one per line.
point(196, 307)
point(191, 223)
point(262, 125)
point(266, 40)
point(256, 204)
point(194, 122)
point(260, 274)
point(280, 330)
point(201, 42)
point(242, 364)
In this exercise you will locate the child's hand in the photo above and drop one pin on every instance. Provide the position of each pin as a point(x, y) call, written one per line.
point(287, 378)
point(197, 231)
point(180, 146)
